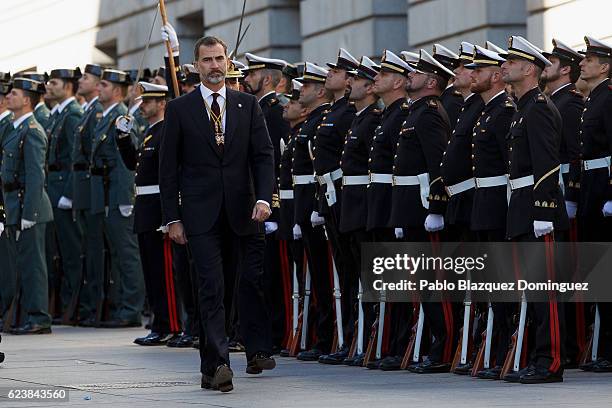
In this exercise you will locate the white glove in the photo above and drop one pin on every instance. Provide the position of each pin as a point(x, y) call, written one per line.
point(124, 124)
point(434, 222)
point(169, 34)
point(64, 203)
point(316, 219)
point(297, 232)
point(571, 207)
point(25, 224)
point(1, 228)
point(126, 210)
point(270, 227)
point(607, 209)
point(399, 233)
point(541, 228)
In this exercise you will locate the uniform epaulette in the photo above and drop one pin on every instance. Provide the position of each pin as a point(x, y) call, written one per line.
point(377, 111)
point(457, 93)
point(32, 125)
point(509, 103)
point(405, 106)
point(540, 98)
point(273, 101)
point(432, 103)
point(351, 103)
point(576, 92)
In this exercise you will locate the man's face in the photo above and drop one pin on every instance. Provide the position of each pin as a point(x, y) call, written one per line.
point(187, 87)
point(416, 82)
point(359, 88)
point(513, 70)
point(232, 83)
point(336, 80)
point(293, 110)
point(481, 79)
point(87, 84)
point(105, 89)
point(158, 80)
point(553, 72)
point(463, 78)
point(150, 107)
point(383, 82)
point(254, 81)
point(212, 63)
point(16, 100)
point(591, 68)
point(57, 89)
point(308, 94)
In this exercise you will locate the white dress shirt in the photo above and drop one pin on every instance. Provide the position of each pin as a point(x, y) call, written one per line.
point(207, 95)
point(20, 120)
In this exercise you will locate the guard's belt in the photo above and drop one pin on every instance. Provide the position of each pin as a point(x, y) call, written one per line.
point(146, 190)
point(355, 180)
point(494, 181)
point(593, 164)
point(285, 194)
point(303, 179)
point(381, 178)
point(458, 188)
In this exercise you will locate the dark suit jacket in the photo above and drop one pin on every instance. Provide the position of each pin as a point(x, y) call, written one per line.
point(192, 167)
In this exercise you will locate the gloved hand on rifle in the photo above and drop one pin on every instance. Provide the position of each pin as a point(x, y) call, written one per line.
point(168, 33)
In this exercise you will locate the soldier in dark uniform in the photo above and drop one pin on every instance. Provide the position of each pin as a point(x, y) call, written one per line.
point(41, 112)
point(355, 181)
point(262, 76)
point(456, 168)
point(419, 199)
point(536, 206)
point(451, 98)
point(315, 98)
point(559, 79)
point(489, 157)
point(390, 86)
point(288, 231)
point(595, 205)
point(327, 150)
point(26, 204)
point(154, 245)
point(63, 85)
point(93, 236)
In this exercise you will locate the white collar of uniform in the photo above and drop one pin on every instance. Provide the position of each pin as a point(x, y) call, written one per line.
point(361, 111)
point(495, 96)
point(54, 109)
point(271, 92)
point(469, 96)
point(134, 107)
point(88, 104)
point(601, 82)
point(153, 124)
point(38, 105)
point(207, 92)
point(560, 88)
point(62, 105)
point(19, 121)
point(5, 114)
point(110, 108)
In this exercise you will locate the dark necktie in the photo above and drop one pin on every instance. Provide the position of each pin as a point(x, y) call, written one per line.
point(217, 121)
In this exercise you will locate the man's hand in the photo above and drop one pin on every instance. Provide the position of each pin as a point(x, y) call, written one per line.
point(571, 207)
point(316, 219)
point(169, 34)
point(607, 209)
point(26, 224)
point(1, 228)
point(124, 125)
point(270, 227)
point(434, 222)
point(261, 212)
point(64, 203)
point(541, 228)
point(177, 233)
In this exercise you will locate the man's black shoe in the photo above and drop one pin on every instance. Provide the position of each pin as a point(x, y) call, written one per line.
point(374, 364)
point(153, 339)
point(540, 376)
point(222, 380)
point(463, 369)
point(490, 373)
point(602, 366)
point(355, 361)
point(309, 355)
point(207, 382)
point(391, 363)
point(235, 346)
point(515, 376)
point(335, 358)
point(285, 353)
point(431, 367)
point(181, 341)
point(260, 362)
point(30, 328)
point(1, 357)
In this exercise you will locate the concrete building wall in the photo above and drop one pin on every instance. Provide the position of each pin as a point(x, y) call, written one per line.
point(65, 33)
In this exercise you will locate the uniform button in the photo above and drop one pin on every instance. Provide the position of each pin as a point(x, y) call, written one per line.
point(473, 168)
point(135, 174)
point(510, 148)
point(372, 148)
point(340, 162)
point(477, 123)
point(369, 160)
point(474, 134)
point(472, 145)
point(472, 157)
point(397, 144)
point(443, 153)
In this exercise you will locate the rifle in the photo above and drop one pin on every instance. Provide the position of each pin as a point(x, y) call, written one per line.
point(338, 307)
point(381, 327)
point(12, 314)
point(595, 337)
point(304, 333)
point(71, 311)
point(463, 347)
point(513, 358)
point(360, 321)
point(409, 350)
point(372, 341)
point(297, 316)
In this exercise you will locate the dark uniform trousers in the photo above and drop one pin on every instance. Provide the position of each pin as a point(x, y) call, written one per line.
point(534, 140)
point(315, 244)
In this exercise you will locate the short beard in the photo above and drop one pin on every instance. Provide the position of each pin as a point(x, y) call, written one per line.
point(215, 78)
point(481, 87)
point(551, 77)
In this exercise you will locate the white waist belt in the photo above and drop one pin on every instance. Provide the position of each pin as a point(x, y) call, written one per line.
point(355, 180)
point(146, 190)
point(381, 178)
point(565, 167)
point(285, 194)
point(521, 182)
point(328, 180)
point(596, 163)
point(494, 181)
point(303, 179)
point(421, 180)
point(333, 175)
point(458, 188)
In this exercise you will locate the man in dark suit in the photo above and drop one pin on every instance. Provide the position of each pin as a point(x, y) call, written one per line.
point(224, 176)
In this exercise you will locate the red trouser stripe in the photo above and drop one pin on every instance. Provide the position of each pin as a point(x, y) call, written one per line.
point(285, 273)
point(552, 305)
point(170, 295)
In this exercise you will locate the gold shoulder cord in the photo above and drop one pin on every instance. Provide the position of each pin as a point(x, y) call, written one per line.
point(217, 122)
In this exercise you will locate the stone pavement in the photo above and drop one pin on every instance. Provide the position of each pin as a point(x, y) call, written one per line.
point(101, 367)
